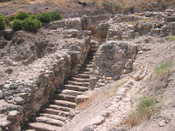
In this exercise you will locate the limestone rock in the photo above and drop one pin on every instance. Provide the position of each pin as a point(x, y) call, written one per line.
point(81, 98)
point(98, 120)
point(1, 94)
point(113, 57)
point(88, 128)
point(170, 19)
point(118, 129)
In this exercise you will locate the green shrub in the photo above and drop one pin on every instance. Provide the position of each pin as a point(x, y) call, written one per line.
point(2, 22)
point(170, 38)
point(31, 24)
point(44, 17)
point(49, 16)
point(22, 15)
point(17, 25)
point(33, 16)
point(10, 18)
point(163, 68)
point(55, 15)
point(146, 107)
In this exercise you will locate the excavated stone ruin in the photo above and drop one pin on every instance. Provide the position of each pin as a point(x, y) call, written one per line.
point(45, 75)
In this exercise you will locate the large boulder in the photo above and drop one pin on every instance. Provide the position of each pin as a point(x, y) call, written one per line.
point(114, 58)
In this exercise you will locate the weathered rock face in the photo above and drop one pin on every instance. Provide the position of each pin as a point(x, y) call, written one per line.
point(114, 58)
point(33, 84)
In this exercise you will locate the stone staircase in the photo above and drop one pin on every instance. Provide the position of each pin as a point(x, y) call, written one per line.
point(58, 111)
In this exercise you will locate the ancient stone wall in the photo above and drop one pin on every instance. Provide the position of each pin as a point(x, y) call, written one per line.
point(24, 93)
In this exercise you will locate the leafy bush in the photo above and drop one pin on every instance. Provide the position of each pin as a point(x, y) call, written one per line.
point(17, 25)
point(145, 105)
point(48, 17)
point(2, 22)
point(55, 15)
point(44, 17)
point(22, 15)
point(26, 21)
point(31, 24)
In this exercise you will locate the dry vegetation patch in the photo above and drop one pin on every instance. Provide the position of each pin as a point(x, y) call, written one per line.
point(170, 38)
point(145, 108)
point(103, 94)
point(164, 68)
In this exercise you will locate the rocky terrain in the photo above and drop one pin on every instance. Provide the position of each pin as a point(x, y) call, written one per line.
point(109, 72)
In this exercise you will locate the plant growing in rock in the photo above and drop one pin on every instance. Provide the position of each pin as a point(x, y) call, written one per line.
point(2, 22)
point(171, 37)
point(144, 110)
point(163, 68)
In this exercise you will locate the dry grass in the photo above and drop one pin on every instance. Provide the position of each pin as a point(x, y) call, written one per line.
point(144, 110)
point(164, 68)
point(103, 94)
point(170, 38)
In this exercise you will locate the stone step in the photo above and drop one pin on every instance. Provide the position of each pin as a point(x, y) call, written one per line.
point(65, 97)
point(56, 112)
point(86, 84)
point(40, 126)
point(71, 92)
point(85, 77)
point(30, 130)
point(88, 68)
point(65, 103)
point(90, 57)
point(56, 117)
point(76, 87)
point(90, 65)
point(86, 72)
point(49, 121)
point(82, 75)
point(57, 107)
point(80, 79)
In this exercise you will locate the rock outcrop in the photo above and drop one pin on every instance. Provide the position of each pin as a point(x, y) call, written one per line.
point(44, 61)
point(113, 58)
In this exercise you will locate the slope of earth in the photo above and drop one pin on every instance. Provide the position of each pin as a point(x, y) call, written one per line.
point(80, 7)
